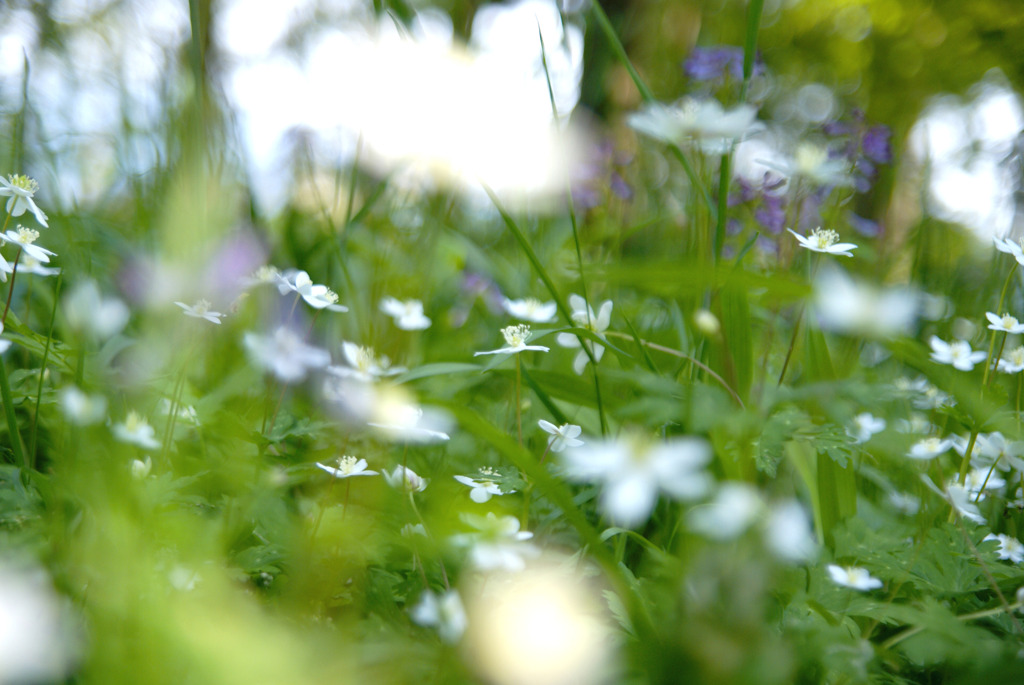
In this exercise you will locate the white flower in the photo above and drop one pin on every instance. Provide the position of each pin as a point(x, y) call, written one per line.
point(88, 313)
point(284, 354)
point(482, 488)
point(848, 306)
point(409, 423)
point(566, 435)
point(516, 338)
point(137, 431)
point(363, 364)
point(853, 577)
point(200, 310)
point(583, 316)
point(864, 426)
point(1005, 323)
point(788, 534)
point(1013, 247)
point(992, 448)
point(929, 448)
point(1013, 362)
point(37, 642)
point(498, 543)
point(977, 481)
point(82, 409)
point(408, 315)
point(403, 478)
point(20, 190)
point(958, 498)
point(632, 471)
point(824, 241)
point(316, 296)
point(904, 503)
point(28, 265)
point(813, 163)
point(25, 238)
point(530, 310)
point(266, 275)
point(958, 353)
point(445, 612)
point(703, 120)
point(348, 467)
point(1009, 548)
point(735, 507)
point(141, 468)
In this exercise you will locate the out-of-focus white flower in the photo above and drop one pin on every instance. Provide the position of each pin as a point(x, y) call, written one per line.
point(583, 316)
point(904, 503)
point(409, 423)
point(5, 344)
point(633, 470)
point(405, 479)
point(853, 577)
point(992, 449)
point(1010, 548)
point(702, 120)
point(1012, 247)
point(958, 498)
point(516, 338)
point(37, 643)
point(82, 409)
point(566, 435)
point(1012, 361)
point(544, 625)
point(977, 481)
point(497, 544)
point(1005, 323)
point(28, 265)
point(388, 408)
point(184, 412)
point(19, 190)
point(284, 354)
point(864, 426)
point(824, 241)
point(958, 353)
point(348, 467)
point(137, 431)
point(929, 448)
point(530, 310)
point(707, 323)
point(408, 315)
point(734, 508)
point(813, 163)
point(315, 295)
point(788, 534)
point(444, 612)
point(847, 306)
point(90, 314)
point(141, 468)
point(265, 275)
point(200, 310)
point(25, 238)
point(363, 365)
point(923, 395)
point(482, 489)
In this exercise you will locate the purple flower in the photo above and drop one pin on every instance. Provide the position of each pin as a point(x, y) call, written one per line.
point(876, 144)
point(712, 64)
point(865, 227)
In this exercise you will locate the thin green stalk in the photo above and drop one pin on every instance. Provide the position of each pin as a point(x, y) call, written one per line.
point(519, 403)
point(423, 522)
point(12, 421)
point(992, 338)
point(911, 632)
point(10, 291)
point(42, 372)
point(965, 464)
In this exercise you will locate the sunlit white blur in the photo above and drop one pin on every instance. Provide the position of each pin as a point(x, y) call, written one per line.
point(540, 626)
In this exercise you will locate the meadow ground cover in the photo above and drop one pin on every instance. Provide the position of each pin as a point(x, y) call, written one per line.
point(574, 405)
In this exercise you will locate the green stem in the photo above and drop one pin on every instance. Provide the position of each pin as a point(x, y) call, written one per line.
point(992, 340)
point(42, 372)
point(12, 421)
point(519, 403)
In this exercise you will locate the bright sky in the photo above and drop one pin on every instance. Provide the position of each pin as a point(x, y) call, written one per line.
point(465, 112)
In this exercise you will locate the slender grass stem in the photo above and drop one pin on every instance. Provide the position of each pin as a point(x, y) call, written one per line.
point(12, 421)
point(992, 338)
point(423, 522)
point(10, 291)
point(966, 463)
point(519, 403)
point(42, 372)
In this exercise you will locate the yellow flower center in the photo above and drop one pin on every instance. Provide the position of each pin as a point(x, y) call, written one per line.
point(24, 183)
point(516, 336)
point(824, 239)
point(26, 236)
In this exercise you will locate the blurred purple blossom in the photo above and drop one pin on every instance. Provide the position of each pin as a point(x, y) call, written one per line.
point(599, 173)
point(866, 227)
point(863, 146)
point(713, 64)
